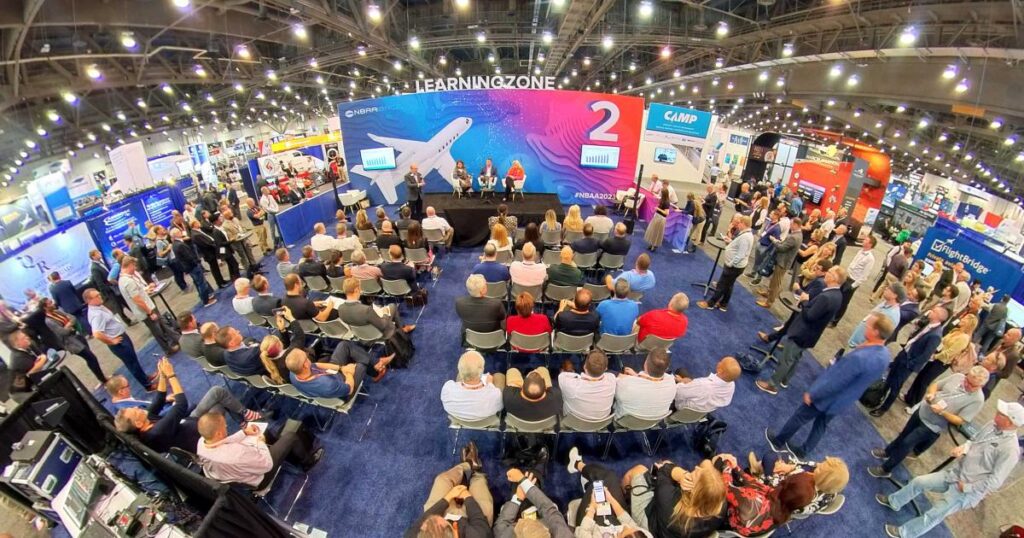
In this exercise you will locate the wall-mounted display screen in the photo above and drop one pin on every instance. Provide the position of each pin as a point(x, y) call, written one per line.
point(665, 155)
point(599, 156)
point(811, 192)
point(378, 158)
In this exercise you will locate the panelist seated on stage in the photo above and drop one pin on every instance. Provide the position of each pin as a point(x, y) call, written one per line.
point(515, 174)
point(488, 177)
point(461, 180)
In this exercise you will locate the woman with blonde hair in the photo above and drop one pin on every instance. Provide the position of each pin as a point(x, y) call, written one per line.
point(807, 269)
point(673, 502)
point(499, 238)
point(573, 220)
point(550, 223)
point(272, 356)
point(515, 174)
point(955, 350)
point(933, 278)
point(363, 220)
point(831, 476)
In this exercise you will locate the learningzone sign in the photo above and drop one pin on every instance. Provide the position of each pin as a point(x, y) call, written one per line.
point(510, 82)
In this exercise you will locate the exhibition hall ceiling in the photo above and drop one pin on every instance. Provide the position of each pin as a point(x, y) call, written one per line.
point(936, 83)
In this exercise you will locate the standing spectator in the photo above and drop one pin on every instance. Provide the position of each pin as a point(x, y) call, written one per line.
point(114, 334)
point(269, 208)
point(991, 329)
point(912, 358)
point(63, 325)
point(839, 240)
point(69, 299)
point(955, 347)
point(735, 258)
point(711, 212)
point(208, 250)
point(856, 274)
point(655, 233)
point(99, 279)
point(258, 217)
point(894, 268)
point(892, 295)
point(186, 257)
point(785, 254)
point(136, 292)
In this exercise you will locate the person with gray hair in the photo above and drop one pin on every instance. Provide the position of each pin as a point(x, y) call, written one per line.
point(618, 314)
point(242, 302)
point(477, 311)
point(473, 395)
point(361, 269)
point(489, 267)
point(952, 401)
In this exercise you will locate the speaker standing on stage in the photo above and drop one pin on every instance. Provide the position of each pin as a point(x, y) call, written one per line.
point(488, 178)
point(414, 184)
point(515, 173)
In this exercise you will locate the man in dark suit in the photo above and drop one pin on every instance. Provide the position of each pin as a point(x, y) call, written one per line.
point(913, 356)
point(207, 247)
point(263, 303)
point(69, 299)
point(988, 332)
point(806, 329)
point(586, 244)
point(224, 249)
point(396, 269)
point(99, 279)
point(618, 243)
point(189, 263)
point(477, 311)
point(414, 190)
point(353, 312)
point(241, 359)
point(488, 178)
point(840, 241)
point(909, 309)
point(310, 265)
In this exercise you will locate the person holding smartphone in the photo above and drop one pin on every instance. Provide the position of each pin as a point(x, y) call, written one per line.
point(513, 520)
point(601, 511)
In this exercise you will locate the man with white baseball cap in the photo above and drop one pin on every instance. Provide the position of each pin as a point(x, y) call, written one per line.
point(981, 466)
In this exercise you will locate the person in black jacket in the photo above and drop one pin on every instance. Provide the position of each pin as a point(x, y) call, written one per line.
point(450, 494)
point(806, 329)
point(912, 358)
point(138, 251)
point(25, 359)
point(674, 512)
point(207, 247)
point(396, 269)
point(224, 249)
point(477, 311)
point(618, 243)
point(99, 273)
point(189, 263)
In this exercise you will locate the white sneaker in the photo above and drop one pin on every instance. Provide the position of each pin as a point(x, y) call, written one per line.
point(909, 410)
point(574, 458)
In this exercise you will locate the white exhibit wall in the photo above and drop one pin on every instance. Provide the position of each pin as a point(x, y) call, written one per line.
point(689, 168)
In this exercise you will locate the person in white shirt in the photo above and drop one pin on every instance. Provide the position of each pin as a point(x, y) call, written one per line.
point(242, 302)
point(321, 241)
point(345, 241)
point(964, 292)
point(600, 221)
point(434, 222)
point(857, 273)
point(269, 205)
point(829, 224)
point(710, 393)
point(528, 272)
point(647, 394)
point(588, 395)
point(473, 395)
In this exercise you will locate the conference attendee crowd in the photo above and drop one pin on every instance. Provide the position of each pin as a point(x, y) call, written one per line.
point(563, 288)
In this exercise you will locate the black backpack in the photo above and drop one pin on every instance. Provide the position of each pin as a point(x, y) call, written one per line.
point(874, 394)
point(401, 345)
point(706, 436)
point(750, 363)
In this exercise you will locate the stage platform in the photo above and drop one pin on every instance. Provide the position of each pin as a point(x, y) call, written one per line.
point(469, 215)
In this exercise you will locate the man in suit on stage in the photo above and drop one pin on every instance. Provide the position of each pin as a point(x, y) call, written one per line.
point(414, 186)
point(488, 178)
point(913, 356)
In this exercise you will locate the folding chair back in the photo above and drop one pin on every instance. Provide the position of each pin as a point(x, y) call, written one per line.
point(366, 333)
point(335, 328)
point(574, 423)
point(634, 423)
point(367, 236)
point(489, 341)
point(395, 288)
point(372, 255)
point(256, 319)
point(337, 283)
point(685, 416)
point(308, 326)
point(518, 255)
point(600, 236)
point(536, 343)
point(326, 255)
point(491, 423)
point(317, 283)
point(615, 344)
point(346, 256)
point(504, 256)
point(585, 261)
point(636, 295)
point(569, 237)
point(552, 256)
point(556, 293)
point(516, 424)
point(417, 255)
point(403, 234)
point(370, 286)
point(598, 292)
point(567, 343)
point(551, 237)
point(612, 261)
point(433, 235)
point(497, 290)
point(537, 292)
point(652, 342)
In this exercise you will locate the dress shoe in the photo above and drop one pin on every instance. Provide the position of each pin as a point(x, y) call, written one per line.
point(877, 413)
point(878, 472)
point(762, 336)
point(471, 456)
point(705, 305)
point(380, 375)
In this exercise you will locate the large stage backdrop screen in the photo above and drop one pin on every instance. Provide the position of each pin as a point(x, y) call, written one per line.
point(551, 133)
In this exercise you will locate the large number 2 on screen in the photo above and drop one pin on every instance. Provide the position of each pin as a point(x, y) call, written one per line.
point(600, 131)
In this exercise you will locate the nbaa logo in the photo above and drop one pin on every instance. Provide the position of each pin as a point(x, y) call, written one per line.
point(352, 112)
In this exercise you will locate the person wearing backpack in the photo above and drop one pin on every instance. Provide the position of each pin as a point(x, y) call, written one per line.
point(956, 348)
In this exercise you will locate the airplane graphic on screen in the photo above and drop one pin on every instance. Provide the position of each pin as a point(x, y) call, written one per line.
point(434, 154)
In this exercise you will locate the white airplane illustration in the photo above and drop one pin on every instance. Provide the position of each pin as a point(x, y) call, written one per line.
point(434, 154)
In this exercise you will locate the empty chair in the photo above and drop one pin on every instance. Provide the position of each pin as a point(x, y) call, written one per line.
point(537, 292)
point(520, 234)
point(396, 288)
point(569, 237)
point(631, 207)
point(417, 255)
point(370, 286)
point(372, 255)
point(346, 256)
point(308, 326)
point(598, 292)
point(585, 261)
point(567, 343)
point(485, 342)
point(366, 236)
point(335, 328)
point(556, 293)
point(256, 319)
point(367, 334)
point(326, 255)
point(630, 423)
point(497, 290)
point(536, 343)
point(652, 342)
point(434, 237)
point(403, 234)
point(611, 262)
point(551, 256)
point(317, 283)
point(337, 283)
point(679, 418)
point(615, 344)
point(491, 424)
point(551, 238)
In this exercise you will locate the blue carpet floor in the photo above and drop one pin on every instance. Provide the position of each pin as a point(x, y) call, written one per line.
point(374, 478)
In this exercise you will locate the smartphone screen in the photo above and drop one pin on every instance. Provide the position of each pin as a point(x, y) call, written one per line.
point(599, 491)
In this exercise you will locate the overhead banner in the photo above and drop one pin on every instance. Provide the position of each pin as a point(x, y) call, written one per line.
point(66, 252)
point(677, 125)
point(295, 143)
point(579, 145)
point(953, 244)
point(495, 82)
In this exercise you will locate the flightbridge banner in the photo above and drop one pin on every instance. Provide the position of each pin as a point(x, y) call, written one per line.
point(579, 145)
point(951, 243)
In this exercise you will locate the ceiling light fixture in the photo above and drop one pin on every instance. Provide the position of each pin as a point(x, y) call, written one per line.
point(961, 86)
point(243, 52)
point(128, 40)
point(835, 71)
point(666, 52)
point(481, 37)
point(414, 43)
point(908, 36)
point(646, 9)
point(950, 72)
point(373, 12)
point(787, 50)
point(722, 29)
point(93, 72)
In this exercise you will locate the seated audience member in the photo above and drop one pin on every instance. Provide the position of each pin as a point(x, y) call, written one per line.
point(707, 394)
point(363, 222)
point(477, 311)
point(565, 272)
point(588, 395)
point(387, 237)
point(176, 427)
point(212, 351)
point(382, 217)
point(525, 321)
point(242, 301)
point(543, 520)
point(121, 394)
point(264, 303)
point(323, 379)
point(460, 503)
point(640, 278)
point(361, 269)
point(675, 503)
point(245, 457)
point(241, 359)
point(755, 508)
point(404, 218)
point(511, 222)
point(310, 265)
point(531, 234)
point(321, 242)
point(354, 312)
point(396, 269)
point(830, 477)
point(473, 395)
point(668, 323)
point(301, 306)
point(614, 520)
point(618, 243)
point(577, 318)
point(335, 266)
point(434, 222)
point(618, 314)
point(489, 268)
point(528, 272)
point(600, 222)
point(274, 348)
point(501, 239)
point(588, 244)
point(191, 341)
point(647, 394)
point(414, 239)
point(532, 397)
point(345, 240)
point(284, 262)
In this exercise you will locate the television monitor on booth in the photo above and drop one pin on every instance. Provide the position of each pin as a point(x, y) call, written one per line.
point(663, 155)
point(811, 192)
point(599, 156)
point(378, 158)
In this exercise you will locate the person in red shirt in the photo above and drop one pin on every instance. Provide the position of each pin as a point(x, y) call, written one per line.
point(669, 323)
point(525, 321)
